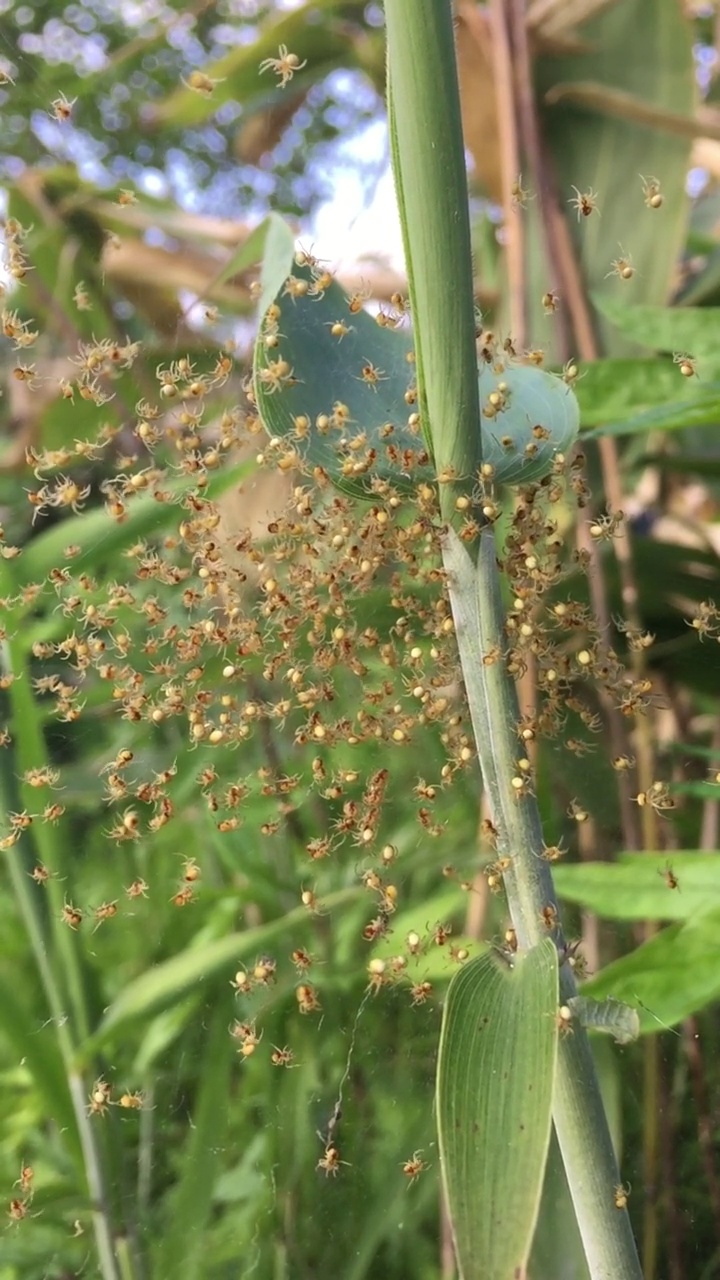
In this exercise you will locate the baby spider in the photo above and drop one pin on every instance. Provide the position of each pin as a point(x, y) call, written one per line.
point(17, 1209)
point(99, 1098)
point(330, 1162)
point(285, 66)
point(686, 364)
point(606, 526)
point(651, 192)
point(519, 195)
point(200, 83)
point(585, 202)
point(71, 916)
point(563, 1020)
point(62, 108)
point(25, 1181)
point(371, 375)
point(283, 1057)
point(620, 1195)
point(622, 267)
point(413, 1167)
point(131, 1101)
point(669, 877)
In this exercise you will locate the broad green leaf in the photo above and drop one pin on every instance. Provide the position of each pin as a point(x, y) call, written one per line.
point(557, 1248)
point(276, 253)
point(667, 978)
point(690, 330)
point(496, 1069)
point(612, 390)
point(329, 370)
point(598, 98)
point(271, 243)
point(635, 887)
point(167, 983)
point(702, 410)
point(540, 419)
point(702, 289)
point(684, 464)
point(557, 1251)
point(181, 1251)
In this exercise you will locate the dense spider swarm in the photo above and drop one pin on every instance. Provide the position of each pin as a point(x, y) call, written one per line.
point(225, 647)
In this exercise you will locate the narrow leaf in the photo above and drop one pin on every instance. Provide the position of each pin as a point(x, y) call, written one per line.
point(639, 886)
point(694, 330)
point(167, 983)
point(100, 537)
point(182, 1247)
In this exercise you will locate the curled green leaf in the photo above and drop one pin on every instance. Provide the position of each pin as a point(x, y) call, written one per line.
point(339, 385)
point(530, 417)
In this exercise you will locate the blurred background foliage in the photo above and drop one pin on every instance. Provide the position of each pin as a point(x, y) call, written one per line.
point(215, 1174)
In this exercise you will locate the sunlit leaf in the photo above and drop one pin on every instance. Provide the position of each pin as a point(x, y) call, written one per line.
point(635, 886)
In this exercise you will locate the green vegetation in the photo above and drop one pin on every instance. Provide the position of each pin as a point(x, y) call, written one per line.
point(359, 769)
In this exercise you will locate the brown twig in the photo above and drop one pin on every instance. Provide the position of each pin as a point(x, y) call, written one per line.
point(668, 1157)
point(510, 166)
point(711, 808)
point(706, 1129)
point(530, 140)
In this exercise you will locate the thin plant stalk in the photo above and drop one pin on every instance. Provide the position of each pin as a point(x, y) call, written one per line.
point(91, 1158)
point(31, 752)
point(430, 174)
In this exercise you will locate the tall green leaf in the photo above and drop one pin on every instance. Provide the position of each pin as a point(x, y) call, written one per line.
point(182, 1245)
point(496, 1070)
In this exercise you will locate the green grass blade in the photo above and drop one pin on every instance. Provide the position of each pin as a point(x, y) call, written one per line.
point(496, 1071)
point(36, 1047)
point(429, 170)
point(183, 975)
point(635, 887)
point(101, 538)
point(693, 330)
point(182, 1249)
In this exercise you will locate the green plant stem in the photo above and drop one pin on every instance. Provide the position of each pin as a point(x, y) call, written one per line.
point(578, 1111)
point(125, 1260)
point(31, 753)
point(107, 1259)
point(26, 899)
point(431, 181)
point(431, 185)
